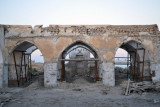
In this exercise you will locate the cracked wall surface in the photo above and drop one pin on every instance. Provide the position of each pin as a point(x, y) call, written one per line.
point(104, 39)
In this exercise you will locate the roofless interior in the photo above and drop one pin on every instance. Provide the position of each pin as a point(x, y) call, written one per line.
point(21, 71)
point(78, 61)
point(134, 65)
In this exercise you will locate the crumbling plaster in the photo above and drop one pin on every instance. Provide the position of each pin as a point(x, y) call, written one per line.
point(105, 39)
point(1, 55)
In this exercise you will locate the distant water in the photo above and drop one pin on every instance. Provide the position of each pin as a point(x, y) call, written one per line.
point(122, 66)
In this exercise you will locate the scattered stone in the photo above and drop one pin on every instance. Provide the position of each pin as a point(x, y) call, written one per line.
point(156, 100)
point(8, 99)
point(104, 92)
point(76, 89)
point(1, 104)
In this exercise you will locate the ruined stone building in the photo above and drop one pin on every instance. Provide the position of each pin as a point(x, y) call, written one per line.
point(79, 51)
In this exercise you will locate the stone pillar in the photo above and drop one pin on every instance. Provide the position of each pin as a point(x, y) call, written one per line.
point(1, 54)
point(1, 75)
point(108, 74)
point(50, 74)
point(156, 68)
point(5, 76)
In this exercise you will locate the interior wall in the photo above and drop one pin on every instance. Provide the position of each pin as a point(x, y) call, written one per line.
point(80, 69)
point(131, 47)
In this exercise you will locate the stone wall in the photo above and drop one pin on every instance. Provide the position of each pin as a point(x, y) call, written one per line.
point(155, 65)
point(104, 39)
point(38, 66)
point(53, 30)
point(1, 54)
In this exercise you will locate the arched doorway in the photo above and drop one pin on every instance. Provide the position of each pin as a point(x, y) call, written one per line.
point(134, 63)
point(22, 68)
point(78, 60)
point(121, 65)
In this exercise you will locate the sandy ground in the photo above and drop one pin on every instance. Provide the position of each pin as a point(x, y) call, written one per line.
point(78, 94)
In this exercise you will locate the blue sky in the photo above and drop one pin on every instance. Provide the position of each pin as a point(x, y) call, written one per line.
point(114, 12)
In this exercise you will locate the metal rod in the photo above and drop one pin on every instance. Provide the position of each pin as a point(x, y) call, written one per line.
point(120, 57)
point(127, 65)
point(16, 68)
point(19, 51)
point(135, 58)
point(30, 65)
point(96, 69)
point(143, 64)
point(62, 69)
point(137, 72)
point(79, 59)
point(21, 72)
point(28, 73)
point(131, 73)
point(25, 67)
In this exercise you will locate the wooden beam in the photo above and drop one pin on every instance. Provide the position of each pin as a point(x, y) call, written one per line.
point(143, 63)
point(16, 68)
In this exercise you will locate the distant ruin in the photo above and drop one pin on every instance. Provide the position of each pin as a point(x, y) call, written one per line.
point(72, 51)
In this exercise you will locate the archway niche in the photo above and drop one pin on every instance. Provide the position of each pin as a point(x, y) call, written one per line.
point(78, 61)
point(132, 61)
point(22, 69)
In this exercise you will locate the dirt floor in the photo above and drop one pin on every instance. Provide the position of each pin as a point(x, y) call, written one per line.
point(77, 94)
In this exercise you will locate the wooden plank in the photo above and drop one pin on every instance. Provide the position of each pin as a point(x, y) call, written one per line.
point(127, 90)
point(16, 68)
point(143, 63)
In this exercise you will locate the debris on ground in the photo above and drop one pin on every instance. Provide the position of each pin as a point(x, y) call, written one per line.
point(76, 89)
point(140, 87)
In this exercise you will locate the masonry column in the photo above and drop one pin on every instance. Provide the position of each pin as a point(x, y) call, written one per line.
point(155, 71)
point(1, 75)
point(50, 74)
point(155, 64)
point(108, 74)
point(1, 69)
point(1, 55)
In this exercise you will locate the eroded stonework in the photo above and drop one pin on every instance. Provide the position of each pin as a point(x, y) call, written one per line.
point(91, 30)
point(104, 39)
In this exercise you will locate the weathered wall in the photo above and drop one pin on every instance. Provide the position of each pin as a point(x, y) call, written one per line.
point(155, 64)
point(38, 66)
point(1, 54)
point(105, 40)
point(12, 70)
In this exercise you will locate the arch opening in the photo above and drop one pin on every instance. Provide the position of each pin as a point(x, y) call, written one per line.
point(26, 62)
point(78, 61)
point(132, 61)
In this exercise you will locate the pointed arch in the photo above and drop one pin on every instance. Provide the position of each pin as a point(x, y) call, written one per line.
point(20, 63)
point(74, 50)
point(138, 61)
point(81, 44)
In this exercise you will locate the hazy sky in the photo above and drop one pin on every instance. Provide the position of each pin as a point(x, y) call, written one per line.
point(120, 12)
point(114, 12)
point(37, 56)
